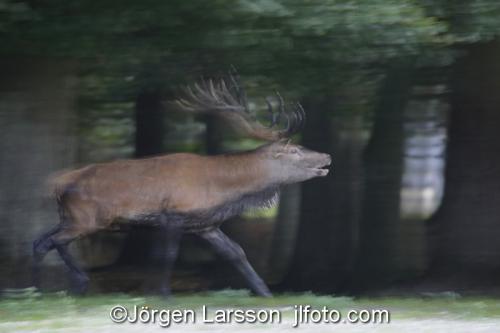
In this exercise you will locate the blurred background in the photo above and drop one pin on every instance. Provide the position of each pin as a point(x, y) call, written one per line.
point(404, 94)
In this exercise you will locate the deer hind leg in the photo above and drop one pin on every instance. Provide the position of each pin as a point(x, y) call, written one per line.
point(78, 218)
point(231, 251)
point(61, 240)
point(44, 244)
point(58, 238)
point(41, 246)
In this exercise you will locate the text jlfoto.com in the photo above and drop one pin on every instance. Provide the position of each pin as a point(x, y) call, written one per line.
point(299, 314)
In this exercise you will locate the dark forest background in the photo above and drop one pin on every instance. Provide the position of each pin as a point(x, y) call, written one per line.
point(404, 94)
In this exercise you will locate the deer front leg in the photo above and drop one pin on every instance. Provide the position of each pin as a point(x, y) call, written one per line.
point(173, 231)
point(231, 251)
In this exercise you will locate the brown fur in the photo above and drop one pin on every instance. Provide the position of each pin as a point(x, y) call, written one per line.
point(98, 194)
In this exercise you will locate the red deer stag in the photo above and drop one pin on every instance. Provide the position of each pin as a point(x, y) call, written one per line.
point(186, 193)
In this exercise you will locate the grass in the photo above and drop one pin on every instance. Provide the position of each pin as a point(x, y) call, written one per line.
point(30, 305)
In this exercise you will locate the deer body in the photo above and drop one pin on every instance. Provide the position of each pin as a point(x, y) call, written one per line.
point(182, 192)
point(189, 185)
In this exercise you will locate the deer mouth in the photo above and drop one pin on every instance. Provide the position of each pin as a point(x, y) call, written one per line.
point(322, 170)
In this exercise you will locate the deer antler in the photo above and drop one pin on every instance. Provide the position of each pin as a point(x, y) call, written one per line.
point(227, 99)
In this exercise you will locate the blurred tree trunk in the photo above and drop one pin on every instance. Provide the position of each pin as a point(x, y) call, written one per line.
point(328, 210)
point(284, 233)
point(377, 259)
point(144, 245)
point(213, 134)
point(466, 228)
point(149, 121)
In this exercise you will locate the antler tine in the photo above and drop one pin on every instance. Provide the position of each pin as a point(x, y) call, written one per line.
point(195, 99)
point(286, 131)
point(281, 104)
point(294, 118)
point(294, 122)
point(213, 91)
point(275, 117)
point(297, 119)
point(239, 91)
point(200, 94)
point(226, 94)
point(300, 114)
point(299, 111)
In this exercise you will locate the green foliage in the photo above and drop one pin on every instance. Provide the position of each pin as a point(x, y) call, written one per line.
point(338, 29)
point(13, 13)
point(468, 21)
point(151, 40)
point(306, 48)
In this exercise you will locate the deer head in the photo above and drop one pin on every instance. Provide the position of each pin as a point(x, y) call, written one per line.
point(285, 162)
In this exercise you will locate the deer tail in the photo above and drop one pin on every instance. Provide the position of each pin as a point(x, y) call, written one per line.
point(59, 182)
